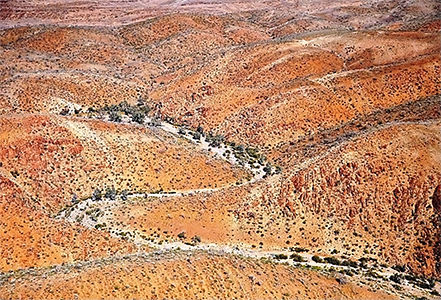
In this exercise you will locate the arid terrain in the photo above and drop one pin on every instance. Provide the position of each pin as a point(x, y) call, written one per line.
point(220, 149)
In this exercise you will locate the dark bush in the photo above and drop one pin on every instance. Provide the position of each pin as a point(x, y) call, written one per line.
point(296, 257)
point(317, 259)
point(196, 239)
point(155, 122)
point(267, 169)
point(138, 117)
point(115, 116)
point(350, 263)
point(395, 278)
point(110, 193)
point(280, 256)
point(332, 260)
point(399, 268)
point(96, 196)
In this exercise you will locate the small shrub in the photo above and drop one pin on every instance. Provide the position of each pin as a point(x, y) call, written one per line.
point(399, 268)
point(350, 263)
point(75, 199)
point(196, 239)
point(115, 116)
point(296, 257)
point(317, 259)
point(280, 256)
point(332, 260)
point(395, 278)
point(138, 117)
point(110, 193)
point(96, 196)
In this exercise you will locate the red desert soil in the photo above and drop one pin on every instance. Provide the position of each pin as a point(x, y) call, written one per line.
point(341, 97)
point(160, 277)
point(52, 158)
point(383, 207)
point(270, 98)
point(29, 238)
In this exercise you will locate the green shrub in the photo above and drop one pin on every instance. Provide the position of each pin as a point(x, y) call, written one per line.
point(395, 278)
point(350, 263)
point(124, 195)
point(110, 193)
point(115, 116)
point(399, 268)
point(196, 239)
point(296, 257)
point(96, 196)
point(332, 260)
point(280, 256)
point(317, 259)
point(138, 117)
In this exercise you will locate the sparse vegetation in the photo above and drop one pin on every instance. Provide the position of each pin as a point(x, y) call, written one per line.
point(280, 256)
point(97, 193)
point(317, 259)
point(332, 260)
point(296, 257)
point(115, 116)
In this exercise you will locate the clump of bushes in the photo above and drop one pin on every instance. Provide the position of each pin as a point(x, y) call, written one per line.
point(124, 195)
point(196, 239)
point(280, 256)
point(96, 195)
point(215, 141)
point(373, 274)
point(363, 262)
point(332, 260)
point(350, 263)
point(138, 117)
point(297, 258)
point(317, 259)
point(196, 136)
point(137, 112)
point(115, 116)
point(110, 193)
point(395, 278)
point(399, 268)
point(155, 122)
